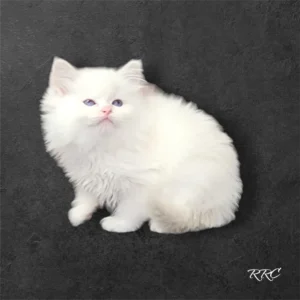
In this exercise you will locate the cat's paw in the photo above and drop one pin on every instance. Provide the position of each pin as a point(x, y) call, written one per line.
point(156, 227)
point(116, 224)
point(79, 214)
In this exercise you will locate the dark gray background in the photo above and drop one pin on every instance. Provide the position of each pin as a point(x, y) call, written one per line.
point(238, 61)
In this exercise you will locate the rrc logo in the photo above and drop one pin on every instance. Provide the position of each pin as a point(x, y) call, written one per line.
point(260, 274)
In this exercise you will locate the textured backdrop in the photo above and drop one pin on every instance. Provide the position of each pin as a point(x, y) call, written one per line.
point(238, 61)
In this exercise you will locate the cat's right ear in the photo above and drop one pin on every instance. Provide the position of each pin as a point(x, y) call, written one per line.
point(62, 76)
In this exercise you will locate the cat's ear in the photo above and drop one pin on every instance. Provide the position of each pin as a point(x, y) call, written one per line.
point(62, 76)
point(133, 71)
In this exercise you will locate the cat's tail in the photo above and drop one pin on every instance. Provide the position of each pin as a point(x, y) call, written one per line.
point(179, 217)
point(190, 201)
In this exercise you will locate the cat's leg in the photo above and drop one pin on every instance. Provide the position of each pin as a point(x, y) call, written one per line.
point(129, 215)
point(83, 207)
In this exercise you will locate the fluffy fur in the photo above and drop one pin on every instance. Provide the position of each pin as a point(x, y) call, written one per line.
point(157, 158)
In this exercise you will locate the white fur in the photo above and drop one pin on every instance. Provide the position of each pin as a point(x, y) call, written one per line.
point(160, 160)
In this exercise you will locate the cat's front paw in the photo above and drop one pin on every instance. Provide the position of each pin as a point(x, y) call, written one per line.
point(116, 224)
point(79, 214)
point(156, 227)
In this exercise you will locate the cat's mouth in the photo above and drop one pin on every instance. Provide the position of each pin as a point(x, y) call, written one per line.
point(105, 120)
point(101, 121)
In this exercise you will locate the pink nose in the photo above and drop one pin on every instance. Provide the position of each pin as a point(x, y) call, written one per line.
point(106, 110)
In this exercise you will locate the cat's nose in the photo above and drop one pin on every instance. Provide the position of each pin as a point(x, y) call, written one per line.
point(106, 110)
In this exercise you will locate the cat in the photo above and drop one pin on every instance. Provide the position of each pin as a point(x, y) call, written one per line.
point(142, 154)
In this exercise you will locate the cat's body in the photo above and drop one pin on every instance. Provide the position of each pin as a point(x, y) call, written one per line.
point(156, 159)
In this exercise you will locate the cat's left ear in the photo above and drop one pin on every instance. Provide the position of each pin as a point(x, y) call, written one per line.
point(133, 71)
point(62, 76)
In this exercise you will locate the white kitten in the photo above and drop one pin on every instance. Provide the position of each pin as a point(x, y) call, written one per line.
point(143, 154)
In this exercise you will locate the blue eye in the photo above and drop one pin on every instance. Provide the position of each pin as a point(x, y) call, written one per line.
point(89, 102)
point(117, 102)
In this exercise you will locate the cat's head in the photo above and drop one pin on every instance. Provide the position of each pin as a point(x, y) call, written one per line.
point(94, 100)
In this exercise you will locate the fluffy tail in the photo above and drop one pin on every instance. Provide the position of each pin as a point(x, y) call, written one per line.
point(179, 217)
